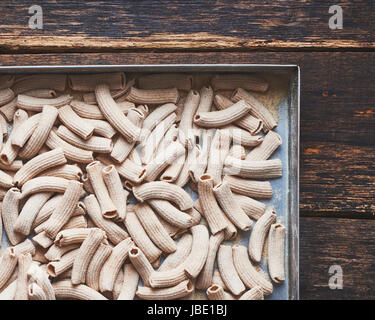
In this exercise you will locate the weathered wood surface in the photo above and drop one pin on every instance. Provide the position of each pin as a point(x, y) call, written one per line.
point(106, 26)
point(337, 119)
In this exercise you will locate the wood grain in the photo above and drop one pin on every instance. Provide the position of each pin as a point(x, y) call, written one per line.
point(179, 25)
point(337, 118)
point(344, 242)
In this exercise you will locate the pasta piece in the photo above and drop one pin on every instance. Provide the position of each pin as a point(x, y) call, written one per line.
point(250, 275)
point(94, 173)
point(55, 268)
point(228, 271)
point(22, 133)
point(216, 292)
point(43, 240)
point(75, 123)
point(154, 229)
point(40, 81)
point(173, 170)
point(85, 254)
point(102, 128)
point(8, 264)
point(206, 99)
point(130, 283)
point(14, 166)
point(212, 212)
point(71, 236)
point(164, 191)
point(24, 262)
point(117, 285)
point(231, 208)
point(8, 109)
point(182, 289)
point(96, 264)
point(66, 171)
point(85, 110)
point(271, 142)
point(259, 234)
point(252, 294)
point(114, 232)
point(6, 95)
point(41, 93)
point(237, 151)
point(54, 252)
point(258, 110)
point(38, 164)
point(36, 104)
point(40, 276)
point(250, 188)
point(71, 152)
point(35, 292)
point(75, 222)
point(151, 96)
point(114, 115)
point(261, 169)
point(65, 289)
point(141, 264)
point(181, 81)
point(9, 214)
point(140, 237)
point(87, 184)
point(88, 82)
point(253, 208)
point(190, 160)
point(276, 252)
point(64, 209)
point(233, 81)
point(6, 180)
point(216, 279)
point(186, 135)
point(29, 211)
point(113, 264)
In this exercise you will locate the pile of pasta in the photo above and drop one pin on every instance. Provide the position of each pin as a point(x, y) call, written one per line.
point(98, 177)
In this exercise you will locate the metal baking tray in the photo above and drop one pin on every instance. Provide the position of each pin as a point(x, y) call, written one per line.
point(286, 189)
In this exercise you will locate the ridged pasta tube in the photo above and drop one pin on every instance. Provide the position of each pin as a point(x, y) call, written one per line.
point(250, 188)
point(96, 264)
point(152, 96)
point(85, 110)
point(252, 294)
point(243, 137)
point(271, 142)
point(186, 135)
point(40, 81)
point(23, 132)
point(71, 236)
point(35, 292)
point(276, 238)
point(253, 208)
point(66, 171)
point(54, 252)
point(55, 268)
point(36, 104)
point(8, 264)
point(40, 276)
point(182, 289)
point(102, 128)
point(216, 292)
point(260, 169)
point(65, 289)
point(24, 262)
point(141, 264)
point(9, 214)
point(75, 123)
point(130, 283)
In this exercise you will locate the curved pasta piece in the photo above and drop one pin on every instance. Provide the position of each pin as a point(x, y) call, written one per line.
point(65, 289)
point(130, 283)
point(260, 169)
point(250, 188)
point(141, 264)
point(96, 264)
point(252, 294)
point(276, 238)
point(182, 289)
point(271, 142)
point(152, 96)
point(216, 292)
point(85, 110)
point(36, 104)
point(186, 135)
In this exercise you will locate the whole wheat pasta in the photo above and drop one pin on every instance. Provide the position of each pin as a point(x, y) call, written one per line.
point(85, 254)
point(75, 222)
point(210, 207)
point(9, 214)
point(54, 252)
point(205, 104)
point(26, 246)
point(88, 82)
point(180, 290)
point(75, 123)
point(113, 264)
point(35, 292)
point(102, 128)
point(231, 208)
point(40, 276)
point(155, 117)
point(66, 171)
point(9, 152)
point(6, 95)
point(242, 137)
point(8, 263)
point(36, 104)
point(216, 292)
point(180, 108)
point(95, 144)
point(64, 209)
point(9, 291)
point(237, 151)
point(233, 81)
point(3, 192)
point(181, 81)
point(271, 142)
point(56, 268)
point(6, 180)
point(163, 159)
point(258, 110)
point(170, 213)
point(190, 160)
point(41, 93)
point(191, 104)
point(122, 147)
point(179, 256)
point(259, 169)
point(276, 238)
point(43, 240)
point(217, 279)
point(250, 188)
point(114, 232)
point(38, 164)
point(114, 115)
point(150, 145)
point(87, 184)
point(154, 229)
point(140, 237)
point(40, 81)
point(152, 96)
point(21, 134)
point(165, 191)
point(223, 117)
point(39, 255)
point(65, 289)
point(204, 279)
point(117, 285)
point(130, 283)
point(115, 190)
point(135, 157)
point(253, 208)
point(24, 262)
point(71, 152)
point(259, 234)
point(14, 166)
point(4, 125)
point(29, 211)
point(141, 264)
point(71, 236)
point(8, 109)
point(250, 275)
point(85, 110)
point(172, 172)
point(228, 271)
point(170, 136)
point(96, 264)
point(125, 106)
point(94, 173)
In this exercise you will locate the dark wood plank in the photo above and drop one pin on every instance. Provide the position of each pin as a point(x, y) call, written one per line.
point(105, 26)
point(337, 118)
point(344, 242)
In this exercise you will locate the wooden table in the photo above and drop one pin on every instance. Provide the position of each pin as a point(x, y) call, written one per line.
point(337, 203)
